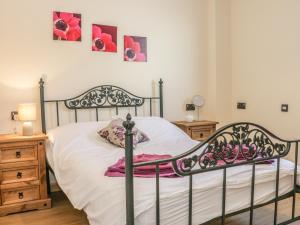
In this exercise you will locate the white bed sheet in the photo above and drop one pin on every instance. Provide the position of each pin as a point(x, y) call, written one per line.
point(79, 159)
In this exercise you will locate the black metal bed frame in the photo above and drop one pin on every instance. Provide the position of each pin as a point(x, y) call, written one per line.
point(260, 145)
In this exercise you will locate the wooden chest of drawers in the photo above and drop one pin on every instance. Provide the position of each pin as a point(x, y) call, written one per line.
point(23, 183)
point(197, 130)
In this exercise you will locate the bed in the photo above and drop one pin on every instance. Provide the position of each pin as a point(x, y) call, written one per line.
point(203, 192)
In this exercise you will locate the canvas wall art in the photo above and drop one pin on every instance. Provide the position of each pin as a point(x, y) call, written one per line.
point(104, 38)
point(135, 49)
point(66, 26)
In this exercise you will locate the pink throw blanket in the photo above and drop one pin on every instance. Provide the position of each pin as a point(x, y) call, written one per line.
point(165, 170)
point(240, 157)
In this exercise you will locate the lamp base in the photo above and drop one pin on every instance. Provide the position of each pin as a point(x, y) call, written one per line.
point(189, 118)
point(27, 129)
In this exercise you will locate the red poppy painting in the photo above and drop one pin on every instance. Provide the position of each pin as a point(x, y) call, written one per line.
point(66, 26)
point(104, 38)
point(135, 49)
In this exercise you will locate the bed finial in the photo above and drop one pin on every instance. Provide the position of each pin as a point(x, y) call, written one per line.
point(128, 124)
point(42, 102)
point(41, 82)
point(161, 98)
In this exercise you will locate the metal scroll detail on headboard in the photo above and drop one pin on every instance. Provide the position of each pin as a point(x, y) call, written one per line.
point(104, 96)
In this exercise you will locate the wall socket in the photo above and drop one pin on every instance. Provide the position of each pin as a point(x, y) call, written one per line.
point(241, 105)
point(284, 108)
point(190, 107)
point(14, 115)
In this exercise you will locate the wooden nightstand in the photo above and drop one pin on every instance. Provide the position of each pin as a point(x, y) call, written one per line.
point(23, 183)
point(197, 130)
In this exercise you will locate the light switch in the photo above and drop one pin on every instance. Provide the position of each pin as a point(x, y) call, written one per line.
point(284, 108)
point(241, 105)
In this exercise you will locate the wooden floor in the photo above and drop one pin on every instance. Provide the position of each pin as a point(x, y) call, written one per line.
point(62, 213)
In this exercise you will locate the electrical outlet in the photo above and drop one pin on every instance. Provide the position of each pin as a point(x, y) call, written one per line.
point(241, 105)
point(14, 115)
point(190, 107)
point(284, 108)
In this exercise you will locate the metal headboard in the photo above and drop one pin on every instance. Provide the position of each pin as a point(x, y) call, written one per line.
point(103, 96)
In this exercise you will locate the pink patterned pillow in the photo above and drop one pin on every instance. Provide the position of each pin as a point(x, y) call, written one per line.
point(115, 134)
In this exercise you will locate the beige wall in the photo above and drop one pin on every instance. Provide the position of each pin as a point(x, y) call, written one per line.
point(265, 63)
point(219, 61)
point(177, 51)
point(227, 51)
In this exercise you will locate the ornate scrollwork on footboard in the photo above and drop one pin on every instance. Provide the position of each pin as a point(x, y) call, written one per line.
point(104, 96)
point(235, 144)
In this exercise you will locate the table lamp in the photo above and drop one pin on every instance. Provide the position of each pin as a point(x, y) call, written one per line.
point(27, 114)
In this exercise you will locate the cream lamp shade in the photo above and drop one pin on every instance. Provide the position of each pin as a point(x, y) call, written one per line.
point(27, 113)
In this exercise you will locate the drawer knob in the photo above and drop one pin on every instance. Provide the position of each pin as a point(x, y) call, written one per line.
point(18, 154)
point(201, 134)
point(19, 175)
point(21, 195)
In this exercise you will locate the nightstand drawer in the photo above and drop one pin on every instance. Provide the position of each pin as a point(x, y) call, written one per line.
point(197, 130)
point(17, 175)
point(20, 195)
point(201, 133)
point(17, 153)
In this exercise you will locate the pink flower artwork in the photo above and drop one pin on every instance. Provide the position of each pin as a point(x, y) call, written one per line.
point(135, 49)
point(104, 38)
point(66, 26)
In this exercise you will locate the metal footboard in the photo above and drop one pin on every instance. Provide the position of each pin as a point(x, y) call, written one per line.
point(234, 145)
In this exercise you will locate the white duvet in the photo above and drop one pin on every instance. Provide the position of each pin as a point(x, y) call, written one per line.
point(79, 158)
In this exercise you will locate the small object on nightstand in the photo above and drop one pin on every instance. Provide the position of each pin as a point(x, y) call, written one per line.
point(197, 130)
point(189, 118)
point(198, 101)
point(23, 183)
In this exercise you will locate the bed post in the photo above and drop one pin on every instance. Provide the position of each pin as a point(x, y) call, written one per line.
point(161, 99)
point(128, 124)
point(42, 102)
